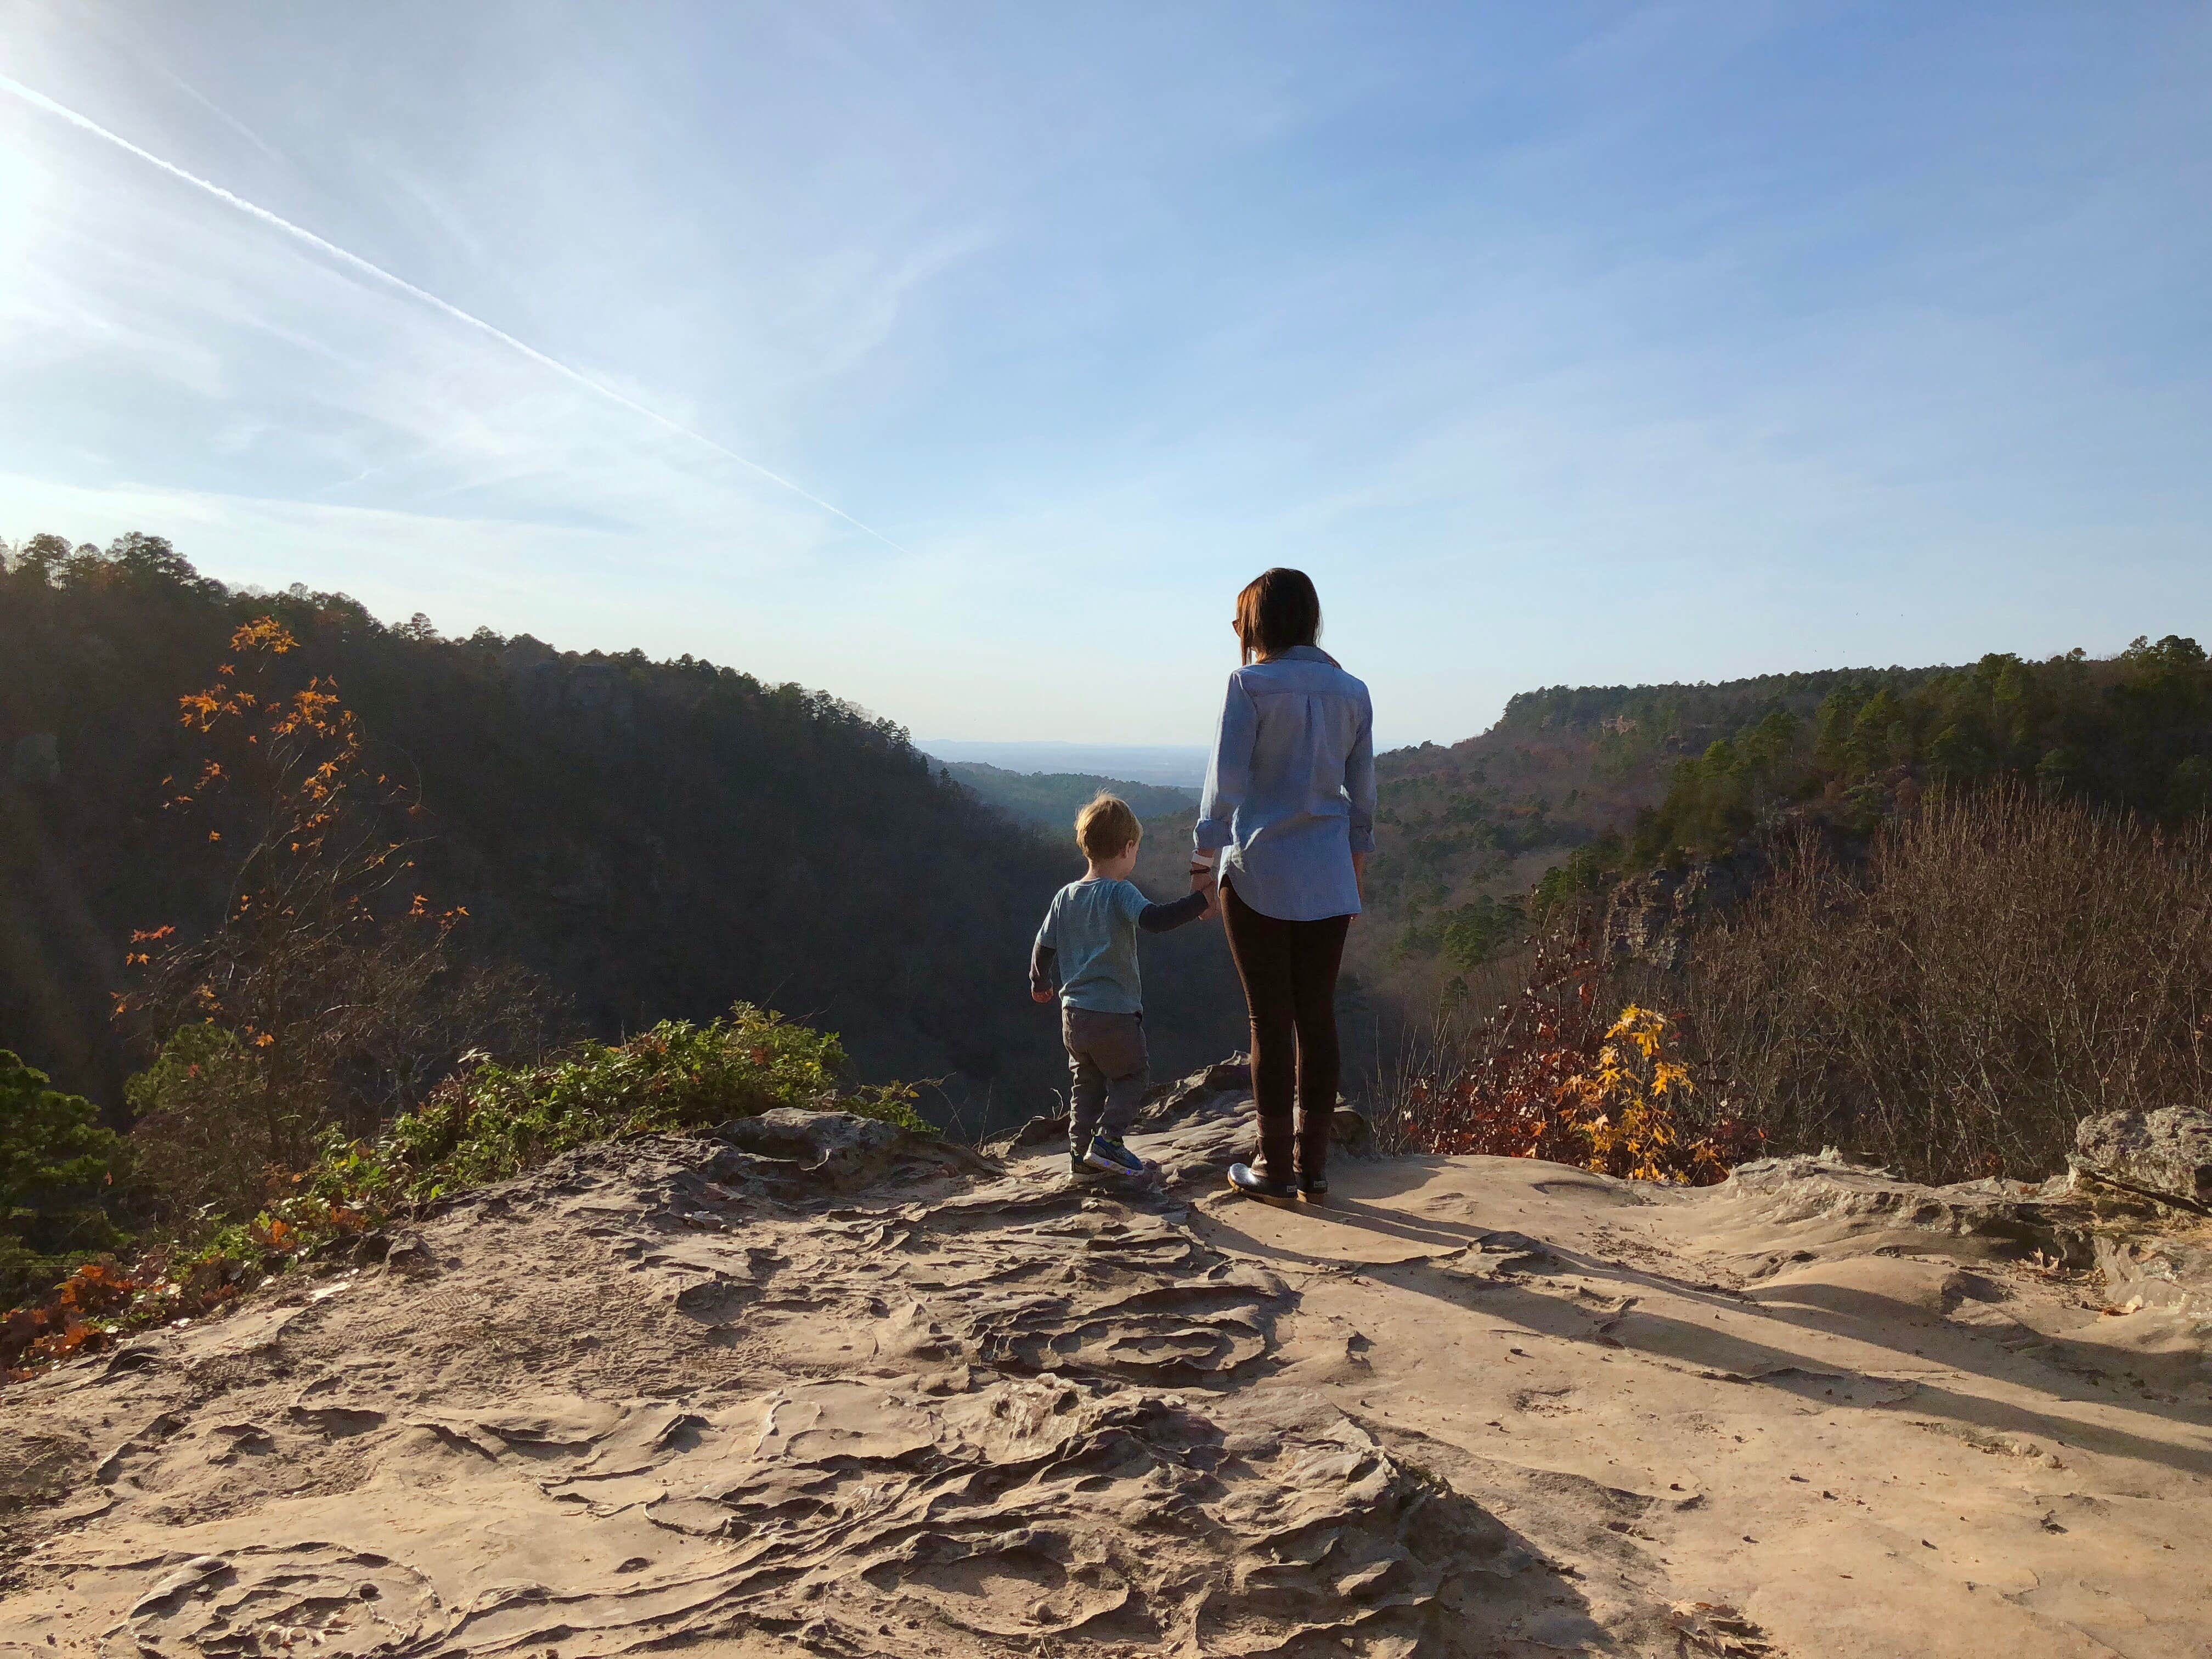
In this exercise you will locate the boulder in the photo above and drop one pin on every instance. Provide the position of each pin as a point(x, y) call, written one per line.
point(794, 1154)
point(1350, 1134)
point(2168, 1150)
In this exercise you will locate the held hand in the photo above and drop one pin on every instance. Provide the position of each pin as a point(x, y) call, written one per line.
point(1040, 996)
point(1204, 881)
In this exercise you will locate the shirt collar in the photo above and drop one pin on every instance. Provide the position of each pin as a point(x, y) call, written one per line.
point(1306, 653)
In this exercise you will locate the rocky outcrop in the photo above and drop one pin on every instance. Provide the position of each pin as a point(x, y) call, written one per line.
point(1211, 1112)
point(1995, 1216)
point(2167, 1152)
point(1649, 918)
point(807, 1382)
point(2088, 1227)
point(810, 1384)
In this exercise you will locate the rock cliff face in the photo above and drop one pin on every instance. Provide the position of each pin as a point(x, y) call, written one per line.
point(811, 1385)
point(1651, 918)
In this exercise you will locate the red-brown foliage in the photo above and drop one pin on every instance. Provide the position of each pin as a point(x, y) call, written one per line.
point(104, 1300)
point(69, 1321)
point(1553, 1074)
point(1504, 1096)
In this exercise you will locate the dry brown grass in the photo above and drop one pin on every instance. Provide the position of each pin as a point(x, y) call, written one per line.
point(2000, 966)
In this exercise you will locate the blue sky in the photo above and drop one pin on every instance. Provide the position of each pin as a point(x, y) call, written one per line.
point(1560, 343)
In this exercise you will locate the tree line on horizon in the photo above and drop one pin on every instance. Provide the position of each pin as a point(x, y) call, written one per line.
point(2130, 733)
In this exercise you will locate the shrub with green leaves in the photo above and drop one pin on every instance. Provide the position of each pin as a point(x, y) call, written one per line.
point(209, 1132)
point(490, 1121)
point(57, 1167)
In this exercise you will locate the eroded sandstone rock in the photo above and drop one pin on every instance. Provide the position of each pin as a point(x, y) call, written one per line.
point(2168, 1150)
point(806, 1381)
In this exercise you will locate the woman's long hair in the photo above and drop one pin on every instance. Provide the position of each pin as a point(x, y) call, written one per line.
point(1278, 609)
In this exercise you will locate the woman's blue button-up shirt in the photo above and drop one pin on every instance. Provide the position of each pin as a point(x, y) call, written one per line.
point(1290, 795)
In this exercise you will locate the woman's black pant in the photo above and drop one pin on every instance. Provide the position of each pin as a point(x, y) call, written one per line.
point(1288, 971)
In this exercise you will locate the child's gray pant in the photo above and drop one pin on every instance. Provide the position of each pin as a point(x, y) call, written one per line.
point(1108, 1070)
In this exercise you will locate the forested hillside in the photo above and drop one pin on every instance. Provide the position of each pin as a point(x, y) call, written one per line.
point(1464, 832)
point(2133, 731)
point(658, 839)
point(1575, 784)
point(653, 839)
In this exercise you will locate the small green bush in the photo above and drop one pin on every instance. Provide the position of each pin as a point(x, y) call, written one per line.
point(490, 1121)
point(485, 1124)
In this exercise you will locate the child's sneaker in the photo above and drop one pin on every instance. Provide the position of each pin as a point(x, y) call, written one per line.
point(1080, 1170)
point(1113, 1157)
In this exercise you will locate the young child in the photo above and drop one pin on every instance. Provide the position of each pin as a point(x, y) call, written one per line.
point(1087, 951)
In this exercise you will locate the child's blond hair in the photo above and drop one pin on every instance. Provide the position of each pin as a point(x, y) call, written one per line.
point(1106, 826)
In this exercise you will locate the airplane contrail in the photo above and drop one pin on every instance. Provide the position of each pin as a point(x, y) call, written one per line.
point(39, 100)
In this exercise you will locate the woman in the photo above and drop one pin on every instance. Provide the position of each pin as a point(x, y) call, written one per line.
point(1289, 816)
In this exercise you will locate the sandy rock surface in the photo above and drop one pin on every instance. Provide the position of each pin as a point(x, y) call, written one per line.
point(811, 1385)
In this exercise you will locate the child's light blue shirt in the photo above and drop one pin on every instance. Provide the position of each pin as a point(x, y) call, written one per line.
point(1091, 929)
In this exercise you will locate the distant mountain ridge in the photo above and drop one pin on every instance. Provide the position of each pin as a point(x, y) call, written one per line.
point(1048, 801)
point(1465, 826)
point(1180, 766)
point(1641, 775)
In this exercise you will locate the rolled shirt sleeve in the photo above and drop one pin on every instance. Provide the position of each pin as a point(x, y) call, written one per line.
point(1229, 773)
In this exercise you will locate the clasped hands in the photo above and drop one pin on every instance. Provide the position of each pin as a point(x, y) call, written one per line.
point(1204, 880)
